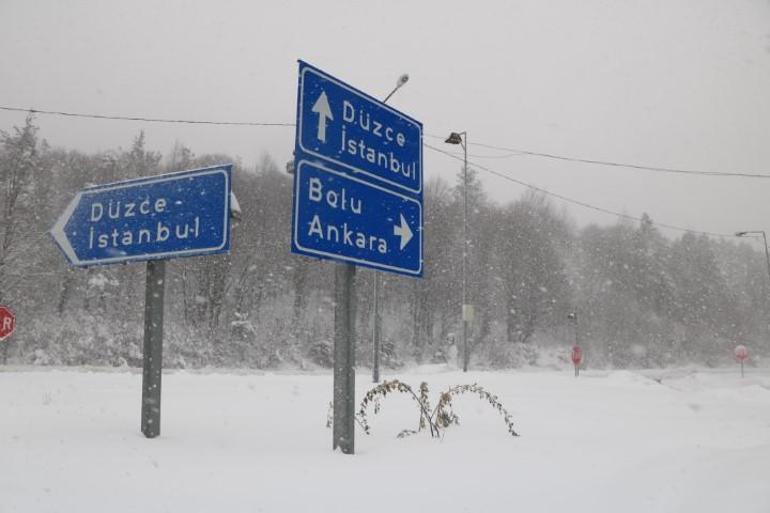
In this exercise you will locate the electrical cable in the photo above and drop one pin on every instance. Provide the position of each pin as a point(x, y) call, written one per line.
point(575, 201)
point(639, 167)
point(512, 152)
point(137, 118)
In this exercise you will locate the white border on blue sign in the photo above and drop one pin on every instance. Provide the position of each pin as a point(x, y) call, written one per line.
point(58, 232)
point(336, 256)
point(307, 67)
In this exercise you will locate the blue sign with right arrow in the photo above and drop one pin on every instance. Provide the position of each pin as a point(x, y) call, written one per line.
point(344, 217)
point(358, 178)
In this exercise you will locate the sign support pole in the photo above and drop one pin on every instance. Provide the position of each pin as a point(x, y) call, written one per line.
point(197, 203)
point(344, 359)
point(378, 222)
point(153, 347)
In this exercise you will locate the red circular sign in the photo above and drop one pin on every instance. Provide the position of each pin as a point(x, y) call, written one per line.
point(741, 352)
point(7, 322)
point(577, 355)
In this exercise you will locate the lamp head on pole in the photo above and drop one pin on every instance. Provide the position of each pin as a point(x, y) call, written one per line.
point(454, 138)
point(403, 79)
point(750, 233)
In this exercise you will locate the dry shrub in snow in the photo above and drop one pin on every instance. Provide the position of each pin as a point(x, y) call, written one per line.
point(437, 420)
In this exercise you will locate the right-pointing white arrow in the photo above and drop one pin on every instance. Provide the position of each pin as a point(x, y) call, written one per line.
point(403, 231)
point(324, 111)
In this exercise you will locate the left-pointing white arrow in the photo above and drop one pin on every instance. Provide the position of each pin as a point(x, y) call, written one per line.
point(324, 111)
point(403, 231)
point(60, 236)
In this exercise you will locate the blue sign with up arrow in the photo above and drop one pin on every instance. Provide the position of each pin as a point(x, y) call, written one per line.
point(340, 124)
point(167, 216)
point(358, 177)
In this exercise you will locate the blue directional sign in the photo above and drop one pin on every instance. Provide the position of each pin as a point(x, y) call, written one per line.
point(168, 216)
point(358, 178)
point(344, 126)
point(344, 217)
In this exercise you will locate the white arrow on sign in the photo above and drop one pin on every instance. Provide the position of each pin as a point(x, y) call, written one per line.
point(403, 231)
point(60, 236)
point(324, 111)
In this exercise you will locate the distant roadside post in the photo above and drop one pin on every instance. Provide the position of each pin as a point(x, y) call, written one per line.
point(358, 201)
point(741, 354)
point(577, 352)
point(577, 358)
point(149, 219)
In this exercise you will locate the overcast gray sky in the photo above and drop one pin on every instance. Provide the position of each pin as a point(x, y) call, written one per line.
point(673, 83)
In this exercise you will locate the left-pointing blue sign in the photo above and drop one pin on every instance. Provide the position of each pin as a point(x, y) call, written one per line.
point(168, 216)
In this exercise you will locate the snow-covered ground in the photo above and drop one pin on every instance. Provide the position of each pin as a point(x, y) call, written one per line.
point(665, 441)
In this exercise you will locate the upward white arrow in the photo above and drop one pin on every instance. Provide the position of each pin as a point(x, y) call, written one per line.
point(324, 111)
point(403, 231)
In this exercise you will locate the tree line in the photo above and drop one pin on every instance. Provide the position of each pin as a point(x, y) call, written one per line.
point(640, 298)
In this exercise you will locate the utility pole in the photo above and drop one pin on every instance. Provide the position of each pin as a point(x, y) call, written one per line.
point(467, 309)
point(754, 233)
point(764, 238)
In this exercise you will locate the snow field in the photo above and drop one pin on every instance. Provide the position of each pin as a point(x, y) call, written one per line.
point(696, 441)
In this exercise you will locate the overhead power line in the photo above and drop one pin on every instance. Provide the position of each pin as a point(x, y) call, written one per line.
point(514, 152)
point(138, 118)
point(573, 200)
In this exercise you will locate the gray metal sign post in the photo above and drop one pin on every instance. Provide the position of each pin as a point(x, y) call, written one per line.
point(344, 358)
point(149, 219)
point(153, 347)
point(358, 200)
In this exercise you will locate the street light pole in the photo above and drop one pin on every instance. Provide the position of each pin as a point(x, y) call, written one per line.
point(764, 238)
point(461, 138)
point(403, 79)
point(755, 233)
point(466, 308)
point(767, 255)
